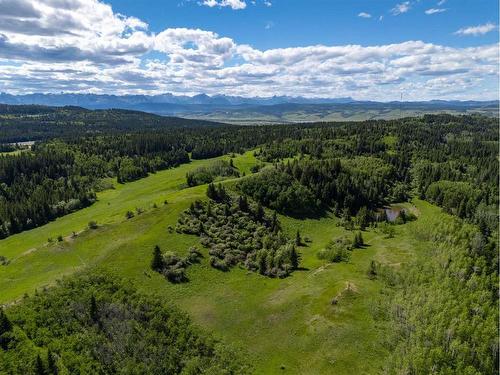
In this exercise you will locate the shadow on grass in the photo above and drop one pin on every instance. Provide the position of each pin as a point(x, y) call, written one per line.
point(302, 269)
point(314, 214)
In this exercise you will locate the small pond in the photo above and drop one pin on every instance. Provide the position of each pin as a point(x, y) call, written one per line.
point(392, 212)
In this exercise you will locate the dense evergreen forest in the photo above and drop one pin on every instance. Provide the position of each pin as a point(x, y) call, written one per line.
point(443, 306)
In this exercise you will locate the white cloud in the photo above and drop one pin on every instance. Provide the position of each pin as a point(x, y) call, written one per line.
point(476, 30)
point(401, 8)
point(435, 10)
point(233, 4)
point(364, 15)
point(268, 3)
point(441, 2)
point(93, 49)
point(50, 30)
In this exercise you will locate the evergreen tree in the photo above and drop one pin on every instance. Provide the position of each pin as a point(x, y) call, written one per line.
point(294, 258)
point(39, 368)
point(358, 240)
point(243, 203)
point(262, 264)
point(298, 239)
point(157, 261)
point(274, 223)
point(362, 218)
point(51, 363)
point(211, 191)
point(402, 216)
point(93, 309)
point(259, 212)
point(372, 270)
point(383, 216)
point(5, 324)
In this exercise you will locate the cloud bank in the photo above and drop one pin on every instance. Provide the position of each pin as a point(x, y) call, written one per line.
point(89, 48)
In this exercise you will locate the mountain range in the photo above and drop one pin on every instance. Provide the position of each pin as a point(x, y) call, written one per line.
point(238, 109)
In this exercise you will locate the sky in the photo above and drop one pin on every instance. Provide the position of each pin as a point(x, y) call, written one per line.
point(365, 49)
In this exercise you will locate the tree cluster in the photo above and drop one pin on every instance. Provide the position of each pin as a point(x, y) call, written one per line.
point(96, 324)
point(206, 175)
point(444, 310)
point(236, 232)
point(172, 266)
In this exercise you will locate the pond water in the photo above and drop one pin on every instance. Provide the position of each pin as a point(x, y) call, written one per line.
point(391, 212)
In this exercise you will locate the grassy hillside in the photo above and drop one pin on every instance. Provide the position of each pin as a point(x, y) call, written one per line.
point(297, 113)
point(286, 325)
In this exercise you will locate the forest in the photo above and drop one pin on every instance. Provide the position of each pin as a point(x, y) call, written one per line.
point(441, 303)
point(448, 160)
point(98, 324)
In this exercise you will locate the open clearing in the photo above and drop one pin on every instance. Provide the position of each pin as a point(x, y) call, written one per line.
point(285, 325)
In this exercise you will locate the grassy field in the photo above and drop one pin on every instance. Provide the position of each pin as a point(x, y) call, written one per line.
point(13, 153)
point(284, 325)
point(249, 116)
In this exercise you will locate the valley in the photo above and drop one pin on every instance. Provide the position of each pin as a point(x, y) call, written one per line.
point(244, 309)
point(312, 248)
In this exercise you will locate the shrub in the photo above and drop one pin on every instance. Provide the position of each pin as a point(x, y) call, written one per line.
point(4, 261)
point(338, 250)
point(373, 269)
point(218, 264)
point(175, 275)
point(387, 229)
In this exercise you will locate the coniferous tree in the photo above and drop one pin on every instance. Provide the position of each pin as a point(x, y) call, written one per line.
point(259, 213)
point(51, 363)
point(358, 240)
point(383, 216)
point(262, 264)
point(5, 324)
point(294, 258)
point(243, 203)
point(372, 270)
point(39, 367)
point(362, 218)
point(93, 309)
point(274, 223)
point(298, 239)
point(211, 191)
point(157, 261)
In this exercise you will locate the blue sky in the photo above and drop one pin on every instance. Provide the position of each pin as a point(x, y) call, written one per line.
point(366, 49)
point(292, 23)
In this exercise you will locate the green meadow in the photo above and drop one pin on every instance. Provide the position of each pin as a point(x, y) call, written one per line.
point(283, 325)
